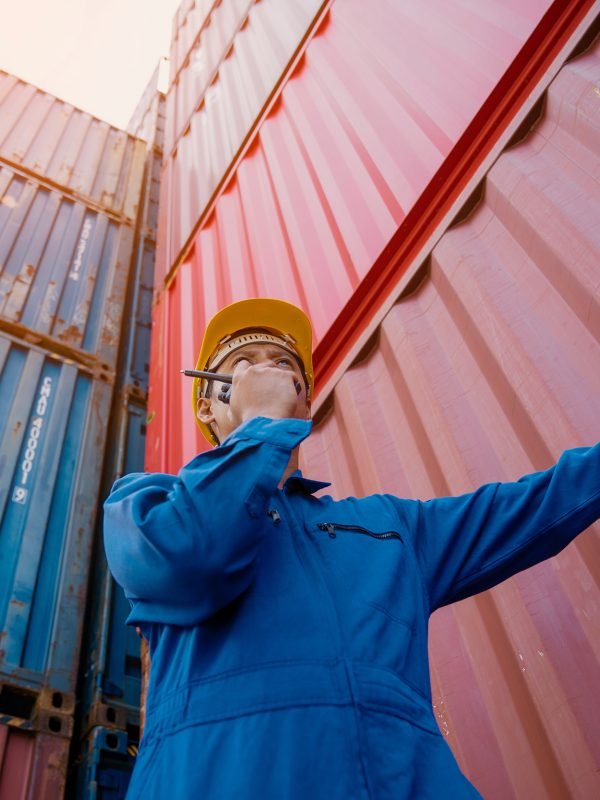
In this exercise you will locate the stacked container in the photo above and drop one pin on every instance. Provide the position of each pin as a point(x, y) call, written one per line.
point(70, 188)
point(110, 687)
point(422, 185)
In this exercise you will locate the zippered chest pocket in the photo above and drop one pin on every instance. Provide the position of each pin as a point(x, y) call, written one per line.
point(335, 528)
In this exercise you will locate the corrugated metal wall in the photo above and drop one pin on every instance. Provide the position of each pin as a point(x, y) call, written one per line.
point(199, 150)
point(52, 425)
point(31, 768)
point(192, 74)
point(68, 148)
point(487, 371)
point(63, 266)
point(189, 23)
point(379, 100)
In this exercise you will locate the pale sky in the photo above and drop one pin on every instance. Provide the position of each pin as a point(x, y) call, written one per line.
point(96, 54)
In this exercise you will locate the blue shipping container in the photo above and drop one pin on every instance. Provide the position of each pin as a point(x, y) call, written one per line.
point(53, 422)
point(112, 668)
point(63, 267)
point(65, 147)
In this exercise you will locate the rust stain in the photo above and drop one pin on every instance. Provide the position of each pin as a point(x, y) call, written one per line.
point(70, 333)
point(18, 424)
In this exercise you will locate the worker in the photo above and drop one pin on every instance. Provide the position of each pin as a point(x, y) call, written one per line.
point(288, 631)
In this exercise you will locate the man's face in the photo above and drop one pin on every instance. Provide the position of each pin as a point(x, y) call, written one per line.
point(216, 412)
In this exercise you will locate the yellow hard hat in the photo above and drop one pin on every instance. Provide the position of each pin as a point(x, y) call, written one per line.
point(265, 314)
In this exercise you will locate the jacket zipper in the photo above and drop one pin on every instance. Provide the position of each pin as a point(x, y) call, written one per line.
point(331, 528)
point(310, 562)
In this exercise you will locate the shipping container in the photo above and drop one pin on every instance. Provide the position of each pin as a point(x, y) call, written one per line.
point(151, 194)
point(213, 43)
point(67, 148)
point(111, 686)
point(135, 368)
point(135, 343)
point(64, 268)
point(185, 9)
point(245, 80)
point(218, 271)
point(485, 368)
point(188, 23)
point(144, 123)
point(53, 422)
point(105, 767)
point(350, 150)
point(32, 766)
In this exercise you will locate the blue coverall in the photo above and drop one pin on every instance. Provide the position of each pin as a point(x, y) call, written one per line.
point(288, 633)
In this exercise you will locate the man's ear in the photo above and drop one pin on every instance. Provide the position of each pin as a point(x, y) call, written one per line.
point(204, 411)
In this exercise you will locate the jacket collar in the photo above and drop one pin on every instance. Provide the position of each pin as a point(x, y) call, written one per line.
point(297, 483)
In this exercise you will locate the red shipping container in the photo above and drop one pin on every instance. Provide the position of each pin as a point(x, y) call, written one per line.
point(192, 74)
point(187, 23)
point(32, 766)
point(340, 152)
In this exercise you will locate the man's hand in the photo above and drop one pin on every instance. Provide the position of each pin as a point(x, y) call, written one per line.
point(262, 390)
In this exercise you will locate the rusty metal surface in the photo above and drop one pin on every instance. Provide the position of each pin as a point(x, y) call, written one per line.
point(64, 267)
point(32, 766)
point(53, 423)
point(323, 179)
point(486, 370)
point(54, 141)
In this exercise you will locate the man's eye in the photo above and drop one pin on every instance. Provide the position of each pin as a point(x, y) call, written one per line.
point(238, 359)
point(286, 361)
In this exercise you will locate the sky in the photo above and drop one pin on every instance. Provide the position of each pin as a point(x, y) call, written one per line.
point(96, 55)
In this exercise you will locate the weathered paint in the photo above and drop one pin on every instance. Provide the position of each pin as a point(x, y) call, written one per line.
point(53, 421)
point(68, 148)
point(32, 766)
point(322, 180)
point(64, 266)
point(486, 368)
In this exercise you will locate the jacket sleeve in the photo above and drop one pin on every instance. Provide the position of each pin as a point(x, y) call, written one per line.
point(184, 546)
point(470, 543)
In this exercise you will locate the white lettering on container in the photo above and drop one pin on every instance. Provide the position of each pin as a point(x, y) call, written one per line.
point(81, 248)
point(20, 491)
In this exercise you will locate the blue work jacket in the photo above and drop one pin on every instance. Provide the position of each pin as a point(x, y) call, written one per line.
point(288, 633)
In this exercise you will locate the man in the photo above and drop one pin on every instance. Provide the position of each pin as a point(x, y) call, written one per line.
point(288, 633)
